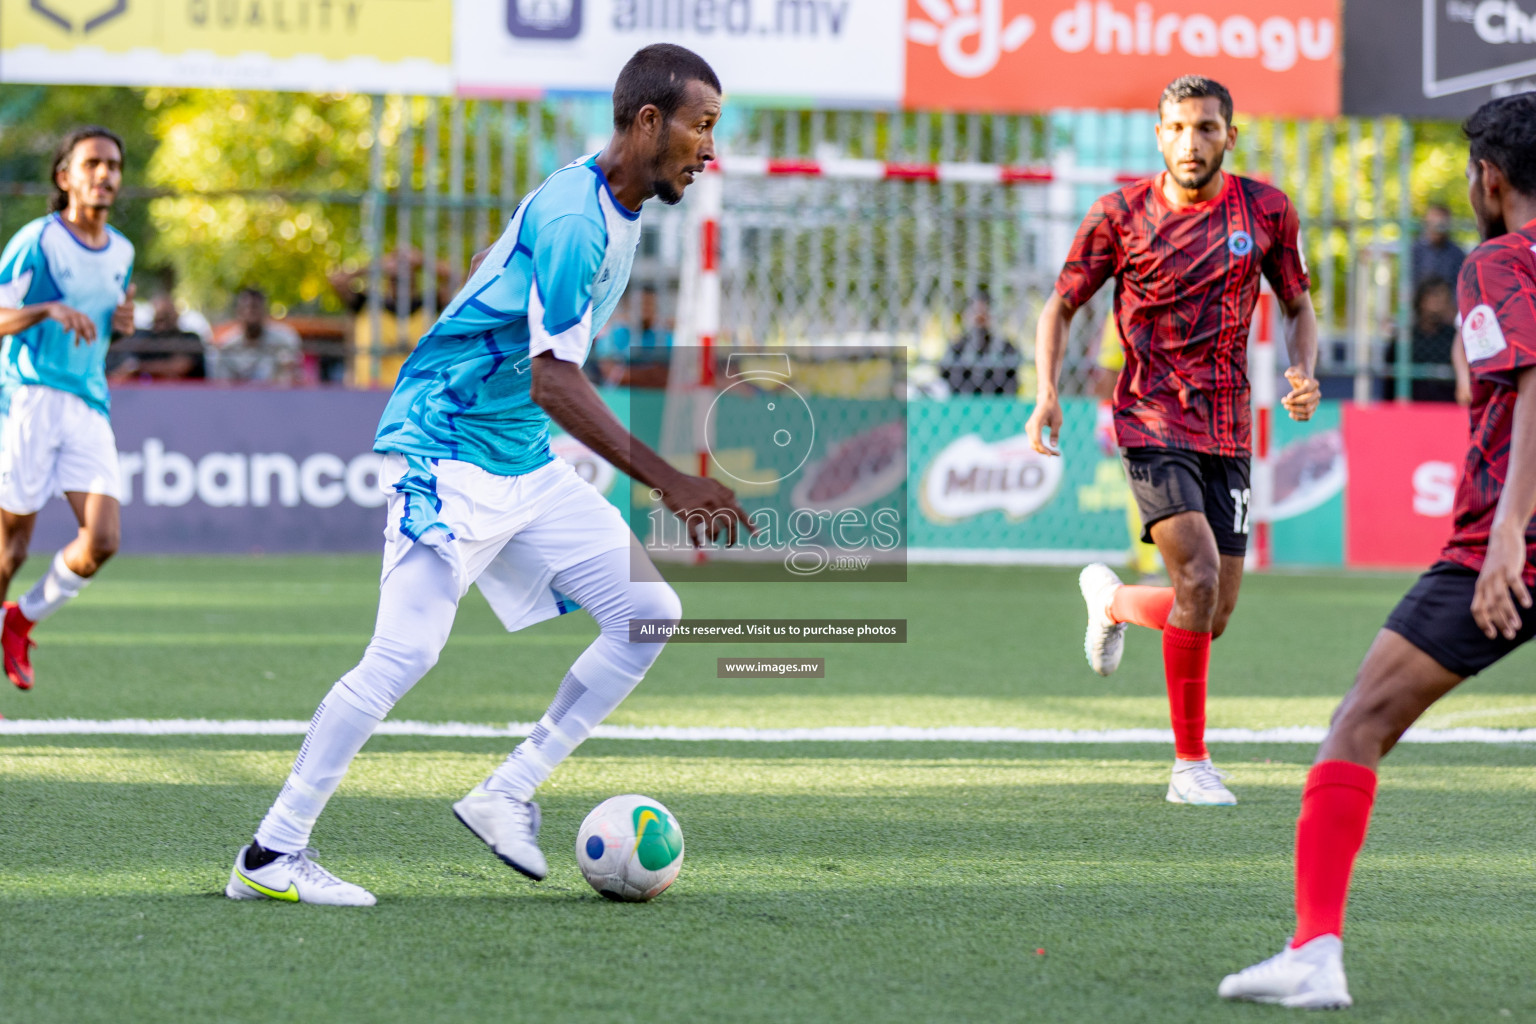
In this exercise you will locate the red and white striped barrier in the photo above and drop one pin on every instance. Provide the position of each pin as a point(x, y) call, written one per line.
point(885, 170)
point(1263, 371)
point(711, 205)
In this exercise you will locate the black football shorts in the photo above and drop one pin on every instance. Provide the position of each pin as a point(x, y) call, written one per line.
point(1436, 617)
point(1167, 481)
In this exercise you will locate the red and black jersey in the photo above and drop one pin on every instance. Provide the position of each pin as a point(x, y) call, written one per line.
point(1187, 283)
point(1497, 296)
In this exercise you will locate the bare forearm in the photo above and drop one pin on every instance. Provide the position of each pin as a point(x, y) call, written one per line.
point(1301, 333)
point(1051, 342)
point(562, 391)
point(1517, 502)
point(13, 321)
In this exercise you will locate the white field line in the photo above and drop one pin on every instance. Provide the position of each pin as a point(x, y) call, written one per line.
point(838, 734)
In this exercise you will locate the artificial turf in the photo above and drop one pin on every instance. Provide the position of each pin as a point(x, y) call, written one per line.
point(823, 881)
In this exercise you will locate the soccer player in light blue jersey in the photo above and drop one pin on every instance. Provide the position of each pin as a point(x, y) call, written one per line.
point(477, 497)
point(64, 291)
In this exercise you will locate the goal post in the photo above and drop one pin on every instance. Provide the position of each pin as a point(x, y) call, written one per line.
point(837, 253)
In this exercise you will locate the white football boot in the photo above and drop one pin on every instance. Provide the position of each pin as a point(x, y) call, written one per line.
point(510, 827)
point(1310, 977)
point(1105, 641)
point(293, 878)
point(1198, 782)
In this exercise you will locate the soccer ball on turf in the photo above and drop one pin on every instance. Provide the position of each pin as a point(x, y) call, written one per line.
point(629, 848)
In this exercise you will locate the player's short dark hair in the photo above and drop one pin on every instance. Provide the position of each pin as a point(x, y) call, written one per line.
point(1503, 132)
point(59, 200)
point(1195, 87)
point(252, 292)
point(658, 75)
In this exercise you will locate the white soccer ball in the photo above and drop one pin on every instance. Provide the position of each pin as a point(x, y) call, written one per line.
point(630, 848)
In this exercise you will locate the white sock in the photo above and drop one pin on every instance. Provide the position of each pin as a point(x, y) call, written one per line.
point(601, 678)
point(417, 603)
point(577, 710)
point(48, 594)
point(336, 733)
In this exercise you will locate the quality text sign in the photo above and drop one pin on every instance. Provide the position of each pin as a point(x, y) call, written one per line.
point(310, 45)
point(1032, 55)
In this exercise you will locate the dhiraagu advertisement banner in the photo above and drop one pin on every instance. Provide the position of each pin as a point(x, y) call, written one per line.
point(397, 46)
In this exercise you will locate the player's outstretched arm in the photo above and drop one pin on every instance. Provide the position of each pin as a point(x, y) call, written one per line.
point(1050, 347)
point(13, 321)
point(563, 391)
point(1499, 584)
point(1300, 326)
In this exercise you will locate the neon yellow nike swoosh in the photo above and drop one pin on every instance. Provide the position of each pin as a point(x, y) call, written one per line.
point(290, 895)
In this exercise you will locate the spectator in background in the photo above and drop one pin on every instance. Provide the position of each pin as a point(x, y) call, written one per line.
point(161, 351)
point(254, 348)
point(1433, 344)
point(1434, 254)
point(636, 358)
point(377, 364)
point(978, 362)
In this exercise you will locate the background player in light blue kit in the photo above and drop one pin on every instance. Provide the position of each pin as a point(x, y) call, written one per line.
point(477, 497)
point(64, 291)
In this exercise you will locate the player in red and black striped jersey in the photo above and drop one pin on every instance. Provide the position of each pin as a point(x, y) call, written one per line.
point(1471, 608)
point(1187, 249)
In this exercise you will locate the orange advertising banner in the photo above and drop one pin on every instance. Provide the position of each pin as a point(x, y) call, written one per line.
point(1276, 56)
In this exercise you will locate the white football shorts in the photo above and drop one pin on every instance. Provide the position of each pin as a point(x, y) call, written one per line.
point(53, 442)
point(508, 534)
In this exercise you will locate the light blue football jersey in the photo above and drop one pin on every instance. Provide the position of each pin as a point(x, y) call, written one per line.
point(548, 284)
point(45, 262)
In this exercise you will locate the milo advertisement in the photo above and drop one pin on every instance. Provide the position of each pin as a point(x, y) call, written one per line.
point(846, 482)
point(984, 494)
point(1310, 473)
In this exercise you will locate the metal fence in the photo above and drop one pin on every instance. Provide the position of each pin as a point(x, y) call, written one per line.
point(812, 259)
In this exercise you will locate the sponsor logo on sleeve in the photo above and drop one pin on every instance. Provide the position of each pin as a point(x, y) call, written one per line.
point(1481, 335)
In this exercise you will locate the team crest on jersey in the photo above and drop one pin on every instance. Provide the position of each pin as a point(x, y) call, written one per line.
point(1240, 244)
point(1481, 335)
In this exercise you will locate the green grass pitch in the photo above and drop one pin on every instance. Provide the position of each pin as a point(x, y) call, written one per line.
point(823, 881)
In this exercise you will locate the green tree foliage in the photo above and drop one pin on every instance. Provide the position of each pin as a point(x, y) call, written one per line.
point(266, 191)
point(232, 188)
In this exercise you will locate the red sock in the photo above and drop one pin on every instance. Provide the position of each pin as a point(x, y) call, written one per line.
point(1144, 606)
point(1187, 662)
point(1335, 812)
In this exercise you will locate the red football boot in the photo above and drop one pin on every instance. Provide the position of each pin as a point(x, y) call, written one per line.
point(16, 642)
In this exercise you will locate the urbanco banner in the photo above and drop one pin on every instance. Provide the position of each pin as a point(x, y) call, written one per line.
point(813, 52)
point(1034, 55)
point(1436, 58)
point(237, 470)
point(302, 45)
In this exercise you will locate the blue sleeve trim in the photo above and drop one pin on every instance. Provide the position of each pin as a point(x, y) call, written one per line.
point(560, 329)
